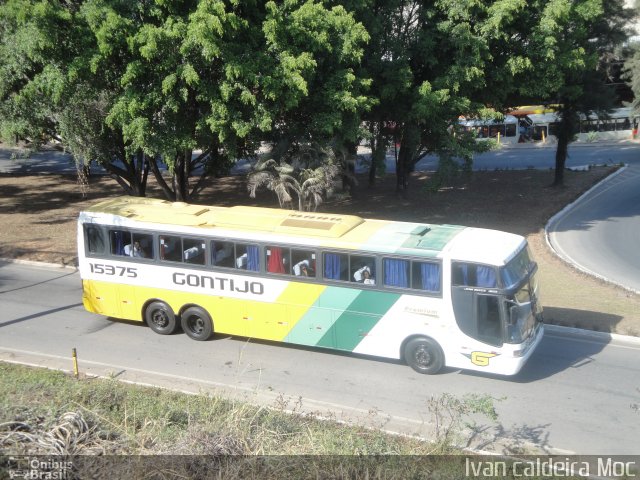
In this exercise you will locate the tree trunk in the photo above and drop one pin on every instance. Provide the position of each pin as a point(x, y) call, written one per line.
point(561, 158)
point(408, 148)
point(133, 178)
point(166, 189)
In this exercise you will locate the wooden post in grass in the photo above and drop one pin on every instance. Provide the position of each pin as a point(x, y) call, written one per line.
point(75, 362)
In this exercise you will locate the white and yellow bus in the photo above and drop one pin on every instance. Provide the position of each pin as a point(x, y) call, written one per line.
point(431, 295)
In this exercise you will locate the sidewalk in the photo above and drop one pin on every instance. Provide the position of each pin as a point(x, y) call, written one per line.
point(553, 143)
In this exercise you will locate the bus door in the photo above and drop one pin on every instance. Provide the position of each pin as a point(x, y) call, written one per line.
point(479, 314)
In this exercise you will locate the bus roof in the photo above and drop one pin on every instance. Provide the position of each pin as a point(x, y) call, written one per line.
point(474, 122)
point(327, 230)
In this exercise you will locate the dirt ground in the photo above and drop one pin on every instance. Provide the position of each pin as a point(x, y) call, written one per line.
point(38, 215)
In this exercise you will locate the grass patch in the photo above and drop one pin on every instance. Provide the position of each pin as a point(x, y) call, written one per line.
point(101, 428)
point(148, 420)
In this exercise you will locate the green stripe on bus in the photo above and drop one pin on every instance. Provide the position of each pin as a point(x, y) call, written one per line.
point(358, 319)
point(318, 320)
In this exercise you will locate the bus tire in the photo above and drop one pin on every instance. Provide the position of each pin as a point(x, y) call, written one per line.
point(160, 318)
point(424, 355)
point(197, 323)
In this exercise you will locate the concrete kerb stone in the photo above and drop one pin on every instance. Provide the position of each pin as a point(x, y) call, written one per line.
point(33, 263)
point(593, 336)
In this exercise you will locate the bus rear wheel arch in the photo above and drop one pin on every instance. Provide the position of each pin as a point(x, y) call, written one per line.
point(424, 355)
point(160, 318)
point(196, 323)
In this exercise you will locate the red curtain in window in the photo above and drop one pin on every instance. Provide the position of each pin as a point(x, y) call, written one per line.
point(275, 265)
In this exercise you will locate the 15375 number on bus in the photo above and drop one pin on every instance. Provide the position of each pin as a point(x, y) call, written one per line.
point(117, 271)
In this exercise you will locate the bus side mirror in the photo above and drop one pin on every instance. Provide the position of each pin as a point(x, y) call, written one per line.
point(513, 311)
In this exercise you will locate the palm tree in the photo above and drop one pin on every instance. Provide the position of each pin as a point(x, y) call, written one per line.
point(309, 176)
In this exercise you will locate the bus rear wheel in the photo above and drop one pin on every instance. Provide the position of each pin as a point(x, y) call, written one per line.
point(196, 323)
point(160, 318)
point(424, 355)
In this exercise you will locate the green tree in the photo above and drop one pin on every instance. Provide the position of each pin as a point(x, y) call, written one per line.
point(631, 71)
point(189, 84)
point(48, 89)
point(431, 63)
point(568, 62)
point(309, 80)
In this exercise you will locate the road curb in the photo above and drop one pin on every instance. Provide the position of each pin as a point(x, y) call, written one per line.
point(34, 263)
point(593, 336)
point(558, 216)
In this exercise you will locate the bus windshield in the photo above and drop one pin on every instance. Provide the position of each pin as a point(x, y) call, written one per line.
point(517, 269)
point(523, 306)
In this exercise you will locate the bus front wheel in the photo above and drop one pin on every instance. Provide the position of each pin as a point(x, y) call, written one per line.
point(424, 355)
point(196, 323)
point(160, 318)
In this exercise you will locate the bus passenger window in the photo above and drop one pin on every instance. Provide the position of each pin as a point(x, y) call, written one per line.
point(222, 254)
point(119, 239)
point(396, 272)
point(193, 250)
point(141, 247)
point(471, 275)
point(363, 270)
point(304, 263)
point(94, 239)
point(170, 248)
point(336, 266)
point(247, 257)
point(278, 260)
point(426, 276)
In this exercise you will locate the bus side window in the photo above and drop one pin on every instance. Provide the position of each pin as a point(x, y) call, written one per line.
point(363, 269)
point(426, 276)
point(119, 239)
point(471, 275)
point(278, 260)
point(142, 245)
point(94, 239)
point(304, 263)
point(247, 257)
point(222, 254)
point(396, 272)
point(194, 250)
point(170, 248)
point(336, 266)
point(463, 275)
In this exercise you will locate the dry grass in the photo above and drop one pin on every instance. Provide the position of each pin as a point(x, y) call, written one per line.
point(38, 215)
point(191, 436)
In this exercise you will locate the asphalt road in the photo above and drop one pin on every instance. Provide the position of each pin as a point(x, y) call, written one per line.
point(601, 232)
point(575, 395)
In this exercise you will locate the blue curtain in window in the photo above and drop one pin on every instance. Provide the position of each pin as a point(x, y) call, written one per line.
point(509, 277)
point(253, 258)
point(332, 266)
point(430, 276)
point(118, 240)
point(486, 277)
point(396, 273)
point(464, 269)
